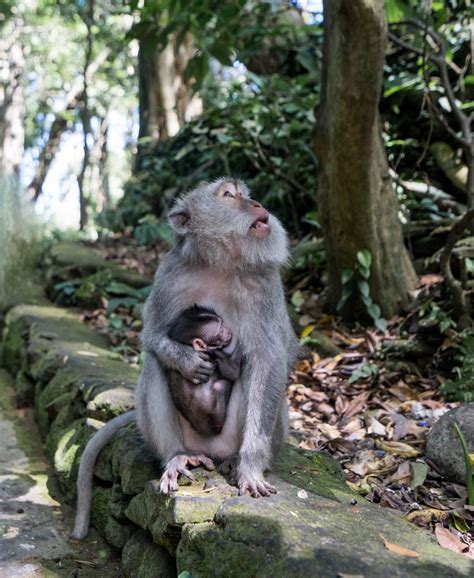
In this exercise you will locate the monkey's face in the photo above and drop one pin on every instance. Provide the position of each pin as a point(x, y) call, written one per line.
point(219, 223)
point(212, 335)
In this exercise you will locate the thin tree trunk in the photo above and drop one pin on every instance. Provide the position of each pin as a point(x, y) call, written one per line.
point(59, 126)
point(12, 134)
point(88, 19)
point(358, 205)
point(103, 200)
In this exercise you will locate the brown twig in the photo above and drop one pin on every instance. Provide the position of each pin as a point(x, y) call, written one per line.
point(461, 303)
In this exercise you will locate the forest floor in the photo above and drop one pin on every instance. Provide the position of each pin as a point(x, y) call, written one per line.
point(367, 397)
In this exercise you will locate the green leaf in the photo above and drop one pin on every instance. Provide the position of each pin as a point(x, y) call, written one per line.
point(397, 10)
point(363, 288)
point(381, 324)
point(185, 574)
point(118, 288)
point(297, 299)
point(419, 471)
point(347, 275)
point(374, 311)
point(119, 302)
point(365, 258)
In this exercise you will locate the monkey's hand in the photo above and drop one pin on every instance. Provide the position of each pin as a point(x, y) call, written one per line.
point(255, 485)
point(178, 466)
point(196, 366)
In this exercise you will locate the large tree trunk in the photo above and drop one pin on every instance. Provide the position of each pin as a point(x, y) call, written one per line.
point(12, 134)
point(357, 202)
point(166, 99)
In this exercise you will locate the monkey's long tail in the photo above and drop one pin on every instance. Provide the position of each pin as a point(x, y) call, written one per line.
point(86, 471)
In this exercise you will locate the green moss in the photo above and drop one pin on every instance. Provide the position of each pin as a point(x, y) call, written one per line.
point(142, 558)
point(70, 254)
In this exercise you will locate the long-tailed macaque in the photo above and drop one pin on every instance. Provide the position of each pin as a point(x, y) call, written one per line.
point(228, 254)
point(204, 405)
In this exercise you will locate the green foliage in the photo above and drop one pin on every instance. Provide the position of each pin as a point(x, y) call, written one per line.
point(434, 313)
point(365, 371)
point(150, 230)
point(258, 132)
point(237, 28)
point(355, 283)
point(462, 386)
point(89, 291)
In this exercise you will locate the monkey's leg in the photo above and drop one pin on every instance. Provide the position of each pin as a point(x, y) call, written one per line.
point(178, 465)
point(265, 388)
point(157, 417)
point(86, 471)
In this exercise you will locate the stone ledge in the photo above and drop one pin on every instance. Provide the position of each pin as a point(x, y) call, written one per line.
point(68, 255)
point(310, 528)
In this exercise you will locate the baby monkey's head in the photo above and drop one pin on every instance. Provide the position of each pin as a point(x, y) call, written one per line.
point(200, 327)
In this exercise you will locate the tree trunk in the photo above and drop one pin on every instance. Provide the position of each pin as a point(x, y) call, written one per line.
point(166, 99)
point(357, 201)
point(88, 19)
point(103, 198)
point(12, 134)
point(48, 152)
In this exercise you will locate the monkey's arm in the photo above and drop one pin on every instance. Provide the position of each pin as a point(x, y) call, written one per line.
point(195, 366)
point(229, 365)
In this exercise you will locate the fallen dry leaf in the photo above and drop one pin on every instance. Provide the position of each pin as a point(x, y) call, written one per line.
point(397, 448)
point(447, 539)
point(400, 550)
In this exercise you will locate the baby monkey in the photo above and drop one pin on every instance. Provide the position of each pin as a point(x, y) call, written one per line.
point(204, 405)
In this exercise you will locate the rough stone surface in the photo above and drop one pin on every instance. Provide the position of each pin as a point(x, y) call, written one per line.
point(443, 445)
point(141, 558)
point(67, 255)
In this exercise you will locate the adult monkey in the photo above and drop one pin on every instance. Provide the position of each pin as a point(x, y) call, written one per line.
point(228, 255)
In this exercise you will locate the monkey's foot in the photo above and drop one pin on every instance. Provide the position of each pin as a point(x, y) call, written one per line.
point(256, 486)
point(178, 466)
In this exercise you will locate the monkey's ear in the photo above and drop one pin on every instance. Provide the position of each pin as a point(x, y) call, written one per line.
point(179, 219)
point(199, 344)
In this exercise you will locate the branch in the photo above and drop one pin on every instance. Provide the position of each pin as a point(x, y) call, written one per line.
point(439, 59)
point(460, 299)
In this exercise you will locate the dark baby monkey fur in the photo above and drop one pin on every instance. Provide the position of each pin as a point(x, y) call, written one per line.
point(228, 255)
point(204, 405)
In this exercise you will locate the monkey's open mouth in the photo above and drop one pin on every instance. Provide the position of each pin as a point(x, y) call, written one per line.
point(260, 223)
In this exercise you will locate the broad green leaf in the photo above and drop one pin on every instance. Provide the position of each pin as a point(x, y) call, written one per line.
point(118, 288)
point(347, 275)
point(297, 299)
point(419, 471)
point(363, 288)
point(365, 258)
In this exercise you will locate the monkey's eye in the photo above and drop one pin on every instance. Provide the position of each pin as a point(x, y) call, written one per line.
point(229, 194)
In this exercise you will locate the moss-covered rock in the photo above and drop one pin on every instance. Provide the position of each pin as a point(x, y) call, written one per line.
point(132, 462)
point(142, 558)
point(69, 255)
point(111, 529)
point(298, 533)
